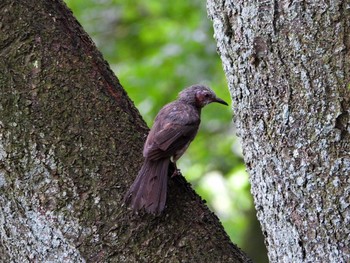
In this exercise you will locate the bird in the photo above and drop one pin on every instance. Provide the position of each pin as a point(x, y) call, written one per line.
point(174, 128)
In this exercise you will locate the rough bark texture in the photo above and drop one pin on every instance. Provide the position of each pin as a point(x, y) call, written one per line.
point(71, 145)
point(288, 69)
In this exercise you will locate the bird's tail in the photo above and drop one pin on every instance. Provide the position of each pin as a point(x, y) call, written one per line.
point(149, 189)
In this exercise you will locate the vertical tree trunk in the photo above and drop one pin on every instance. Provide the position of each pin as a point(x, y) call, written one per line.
point(70, 146)
point(288, 68)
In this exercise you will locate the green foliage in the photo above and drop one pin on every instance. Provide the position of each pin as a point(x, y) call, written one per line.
point(156, 48)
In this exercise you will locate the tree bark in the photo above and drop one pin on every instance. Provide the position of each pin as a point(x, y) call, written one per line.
point(287, 64)
point(71, 145)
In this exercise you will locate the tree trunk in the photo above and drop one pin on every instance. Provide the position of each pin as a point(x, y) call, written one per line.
point(287, 65)
point(71, 145)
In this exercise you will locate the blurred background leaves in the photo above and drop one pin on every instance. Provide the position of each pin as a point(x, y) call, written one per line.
point(156, 48)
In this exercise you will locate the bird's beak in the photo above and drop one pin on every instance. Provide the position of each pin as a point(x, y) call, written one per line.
point(218, 100)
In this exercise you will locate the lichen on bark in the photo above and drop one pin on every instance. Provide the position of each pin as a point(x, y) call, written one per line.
point(287, 65)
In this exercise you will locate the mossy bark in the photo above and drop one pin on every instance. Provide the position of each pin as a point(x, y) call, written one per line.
point(288, 69)
point(70, 146)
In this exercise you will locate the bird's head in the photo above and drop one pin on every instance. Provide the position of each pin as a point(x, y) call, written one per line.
point(199, 96)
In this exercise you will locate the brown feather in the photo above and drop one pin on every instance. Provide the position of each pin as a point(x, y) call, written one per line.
point(174, 128)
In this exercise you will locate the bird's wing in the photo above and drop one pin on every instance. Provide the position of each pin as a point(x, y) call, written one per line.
point(175, 135)
point(169, 135)
point(169, 140)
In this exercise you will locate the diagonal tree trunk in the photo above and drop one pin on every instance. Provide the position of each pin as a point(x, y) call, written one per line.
point(288, 68)
point(70, 146)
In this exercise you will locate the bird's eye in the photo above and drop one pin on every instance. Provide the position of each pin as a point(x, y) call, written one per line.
point(207, 95)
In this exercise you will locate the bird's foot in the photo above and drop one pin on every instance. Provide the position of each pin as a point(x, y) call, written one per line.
point(176, 172)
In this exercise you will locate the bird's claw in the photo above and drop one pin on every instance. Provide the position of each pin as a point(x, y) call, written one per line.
point(176, 172)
